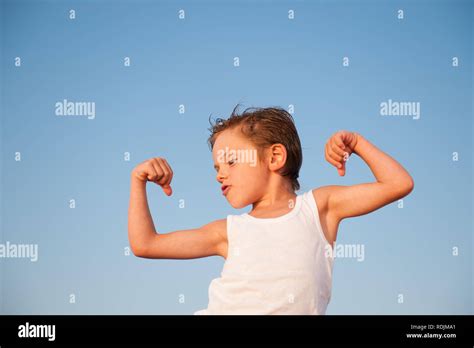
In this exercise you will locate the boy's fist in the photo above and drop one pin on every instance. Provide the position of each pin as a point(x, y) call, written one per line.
point(338, 149)
point(156, 170)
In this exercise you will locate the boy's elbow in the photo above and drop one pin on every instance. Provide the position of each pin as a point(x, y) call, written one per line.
point(138, 250)
point(407, 186)
point(400, 188)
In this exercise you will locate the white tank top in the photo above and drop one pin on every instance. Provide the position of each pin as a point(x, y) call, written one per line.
point(274, 265)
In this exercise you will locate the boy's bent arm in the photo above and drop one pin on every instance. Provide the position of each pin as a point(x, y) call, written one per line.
point(204, 241)
point(145, 242)
point(392, 182)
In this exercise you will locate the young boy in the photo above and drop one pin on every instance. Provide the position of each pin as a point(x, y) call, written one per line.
point(276, 255)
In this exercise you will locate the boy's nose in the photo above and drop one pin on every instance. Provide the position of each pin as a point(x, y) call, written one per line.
point(221, 176)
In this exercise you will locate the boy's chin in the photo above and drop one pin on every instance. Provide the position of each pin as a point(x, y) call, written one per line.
point(237, 205)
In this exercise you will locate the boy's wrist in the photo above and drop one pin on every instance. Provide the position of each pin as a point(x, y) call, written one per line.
point(136, 180)
point(358, 142)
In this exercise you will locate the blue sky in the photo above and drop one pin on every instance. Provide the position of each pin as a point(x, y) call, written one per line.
point(191, 62)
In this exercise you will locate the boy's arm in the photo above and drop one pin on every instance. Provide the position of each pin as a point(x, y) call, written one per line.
point(392, 180)
point(208, 240)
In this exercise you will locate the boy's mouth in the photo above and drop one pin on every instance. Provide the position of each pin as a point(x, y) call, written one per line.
point(225, 189)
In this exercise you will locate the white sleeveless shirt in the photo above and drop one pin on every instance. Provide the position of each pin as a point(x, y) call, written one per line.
point(274, 265)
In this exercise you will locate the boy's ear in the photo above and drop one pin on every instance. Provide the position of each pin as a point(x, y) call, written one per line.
point(277, 153)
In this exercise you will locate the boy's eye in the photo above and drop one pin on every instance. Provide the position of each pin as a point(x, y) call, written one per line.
point(231, 162)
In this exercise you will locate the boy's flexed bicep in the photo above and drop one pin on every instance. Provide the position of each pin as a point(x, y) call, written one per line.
point(208, 240)
point(392, 180)
point(336, 202)
point(355, 200)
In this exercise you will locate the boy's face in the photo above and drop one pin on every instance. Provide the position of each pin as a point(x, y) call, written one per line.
point(238, 167)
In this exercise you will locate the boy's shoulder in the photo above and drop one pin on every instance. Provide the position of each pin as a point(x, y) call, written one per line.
point(218, 229)
point(321, 196)
point(218, 226)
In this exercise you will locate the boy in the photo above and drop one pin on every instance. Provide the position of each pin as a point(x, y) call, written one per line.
point(276, 255)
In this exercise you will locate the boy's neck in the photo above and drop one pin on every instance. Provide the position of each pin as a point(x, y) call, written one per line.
point(278, 201)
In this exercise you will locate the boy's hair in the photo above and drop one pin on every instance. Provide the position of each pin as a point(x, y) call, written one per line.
point(265, 127)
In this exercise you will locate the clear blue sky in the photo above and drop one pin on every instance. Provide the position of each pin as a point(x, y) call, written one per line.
point(81, 251)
